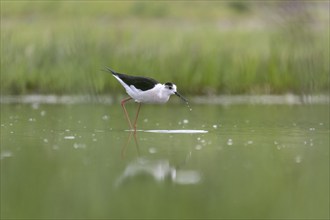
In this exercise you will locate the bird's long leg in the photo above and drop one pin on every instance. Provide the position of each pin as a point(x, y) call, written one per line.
point(136, 117)
point(127, 117)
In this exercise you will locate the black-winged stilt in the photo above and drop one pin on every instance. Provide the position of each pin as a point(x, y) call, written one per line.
point(144, 90)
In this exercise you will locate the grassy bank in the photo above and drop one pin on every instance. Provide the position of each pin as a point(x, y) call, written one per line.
point(205, 48)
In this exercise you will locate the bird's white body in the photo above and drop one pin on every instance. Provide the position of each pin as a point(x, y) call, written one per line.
point(158, 94)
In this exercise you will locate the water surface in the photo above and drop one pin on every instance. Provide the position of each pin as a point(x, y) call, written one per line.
point(237, 161)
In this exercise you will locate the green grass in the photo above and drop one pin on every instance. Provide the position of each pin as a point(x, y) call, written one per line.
point(60, 47)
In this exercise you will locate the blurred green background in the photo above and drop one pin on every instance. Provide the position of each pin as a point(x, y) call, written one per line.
point(205, 47)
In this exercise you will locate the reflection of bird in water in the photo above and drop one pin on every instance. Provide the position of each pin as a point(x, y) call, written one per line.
point(123, 152)
point(159, 170)
point(144, 90)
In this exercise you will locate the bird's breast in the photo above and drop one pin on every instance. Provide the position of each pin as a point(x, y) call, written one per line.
point(151, 98)
point(154, 95)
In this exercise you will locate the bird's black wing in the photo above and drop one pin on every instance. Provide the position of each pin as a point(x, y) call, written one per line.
point(142, 83)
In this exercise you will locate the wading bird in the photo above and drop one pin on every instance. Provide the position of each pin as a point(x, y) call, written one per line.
point(144, 90)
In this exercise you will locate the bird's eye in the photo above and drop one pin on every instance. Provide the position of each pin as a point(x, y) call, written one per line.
point(169, 85)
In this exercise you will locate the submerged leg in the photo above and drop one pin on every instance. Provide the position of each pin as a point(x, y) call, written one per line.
point(123, 105)
point(136, 117)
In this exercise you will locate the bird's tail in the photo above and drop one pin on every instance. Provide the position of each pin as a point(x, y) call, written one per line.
point(107, 69)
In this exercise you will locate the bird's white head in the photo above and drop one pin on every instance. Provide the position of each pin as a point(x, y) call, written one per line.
point(170, 89)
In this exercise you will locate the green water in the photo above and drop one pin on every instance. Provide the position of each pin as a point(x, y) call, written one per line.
point(77, 161)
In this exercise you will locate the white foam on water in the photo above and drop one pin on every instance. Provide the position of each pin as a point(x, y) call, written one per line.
point(176, 131)
point(5, 154)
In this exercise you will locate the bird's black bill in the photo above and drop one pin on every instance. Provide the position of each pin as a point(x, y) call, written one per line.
point(181, 97)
